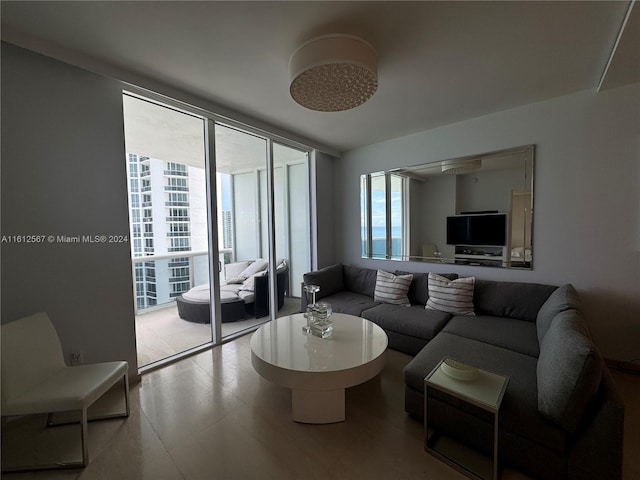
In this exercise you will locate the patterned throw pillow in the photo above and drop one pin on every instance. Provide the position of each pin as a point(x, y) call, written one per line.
point(392, 288)
point(451, 296)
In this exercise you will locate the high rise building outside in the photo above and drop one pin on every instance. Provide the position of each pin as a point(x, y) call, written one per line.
point(168, 214)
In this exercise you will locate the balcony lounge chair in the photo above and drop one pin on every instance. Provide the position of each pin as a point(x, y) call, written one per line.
point(245, 291)
point(36, 380)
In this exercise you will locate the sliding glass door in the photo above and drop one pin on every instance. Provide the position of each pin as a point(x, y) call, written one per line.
point(220, 227)
point(292, 224)
point(168, 217)
point(241, 159)
point(267, 187)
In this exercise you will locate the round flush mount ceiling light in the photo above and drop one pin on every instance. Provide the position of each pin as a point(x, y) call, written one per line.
point(333, 72)
point(459, 166)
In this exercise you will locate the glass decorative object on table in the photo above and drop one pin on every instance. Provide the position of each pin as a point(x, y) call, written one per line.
point(318, 315)
point(310, 291)
point(322, 325)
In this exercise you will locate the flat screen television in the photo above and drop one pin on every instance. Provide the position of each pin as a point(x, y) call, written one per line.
point(478, 229)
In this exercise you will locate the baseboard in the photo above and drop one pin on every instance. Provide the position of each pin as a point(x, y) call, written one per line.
point(627, 367)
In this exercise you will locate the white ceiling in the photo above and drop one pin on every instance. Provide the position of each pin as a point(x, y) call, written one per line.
point(439, 62)
point(155, 131)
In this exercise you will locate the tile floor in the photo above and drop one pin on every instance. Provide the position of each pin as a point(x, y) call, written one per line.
point(211, 416)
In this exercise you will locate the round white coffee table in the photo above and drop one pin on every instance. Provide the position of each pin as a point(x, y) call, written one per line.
point(318, 370)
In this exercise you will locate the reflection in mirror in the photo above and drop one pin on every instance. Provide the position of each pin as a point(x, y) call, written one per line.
point(475, 210)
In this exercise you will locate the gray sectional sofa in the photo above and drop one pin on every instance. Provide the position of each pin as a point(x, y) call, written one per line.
point(561, 416)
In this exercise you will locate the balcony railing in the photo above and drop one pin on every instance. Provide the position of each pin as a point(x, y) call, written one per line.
point(198, 274)
point(176, 173)
point(180, 279)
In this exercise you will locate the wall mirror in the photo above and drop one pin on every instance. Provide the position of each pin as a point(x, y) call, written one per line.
point(474, 210)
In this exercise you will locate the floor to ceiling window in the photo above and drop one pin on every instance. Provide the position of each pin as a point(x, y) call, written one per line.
point(244, 159)
point(257, 223)
point(384, 224)
point(291, 167)
point(166, 173)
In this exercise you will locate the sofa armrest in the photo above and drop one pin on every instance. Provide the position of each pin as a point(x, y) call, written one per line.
point(329, 279)
point(598, 446)
point(261, 292)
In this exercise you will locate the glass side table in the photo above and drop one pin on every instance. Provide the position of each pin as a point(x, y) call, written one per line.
point(485, 391)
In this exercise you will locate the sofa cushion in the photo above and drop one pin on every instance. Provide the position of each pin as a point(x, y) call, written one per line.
point(562, 298)
point(517, 335)
point(233, 288)
point(419, 288)
point(232, 271)
point(359, 280)
point(259, 265)
point(247, 296)
point(414, 321)
point(249, 284)
point(201, 293)
point(451, 296)
point(349, 302)
point(329, 279)
point(519, 411)
point(569, 370)
point(510, 299)
point(392, 288)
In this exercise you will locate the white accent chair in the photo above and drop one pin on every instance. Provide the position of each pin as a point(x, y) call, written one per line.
point(36, 380)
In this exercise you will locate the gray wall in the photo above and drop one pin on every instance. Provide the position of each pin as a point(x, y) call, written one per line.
point(326, 251)
point(438, 201)
point(63, 173)
point(486, 191)
point(587, 212)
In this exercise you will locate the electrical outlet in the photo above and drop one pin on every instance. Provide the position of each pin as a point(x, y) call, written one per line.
point(76, 358)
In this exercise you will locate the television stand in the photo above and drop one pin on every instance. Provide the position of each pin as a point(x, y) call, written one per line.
point(481, 255)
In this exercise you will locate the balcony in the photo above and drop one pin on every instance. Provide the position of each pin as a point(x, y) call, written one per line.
point(161, 333)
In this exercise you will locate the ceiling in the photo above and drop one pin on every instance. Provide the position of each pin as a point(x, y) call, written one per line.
point(438, 62)
point(155, 131)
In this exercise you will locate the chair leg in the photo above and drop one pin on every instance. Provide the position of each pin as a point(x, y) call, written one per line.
point(126, 413)
point(126, 394)
point(60, 465)
point(85, 435)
